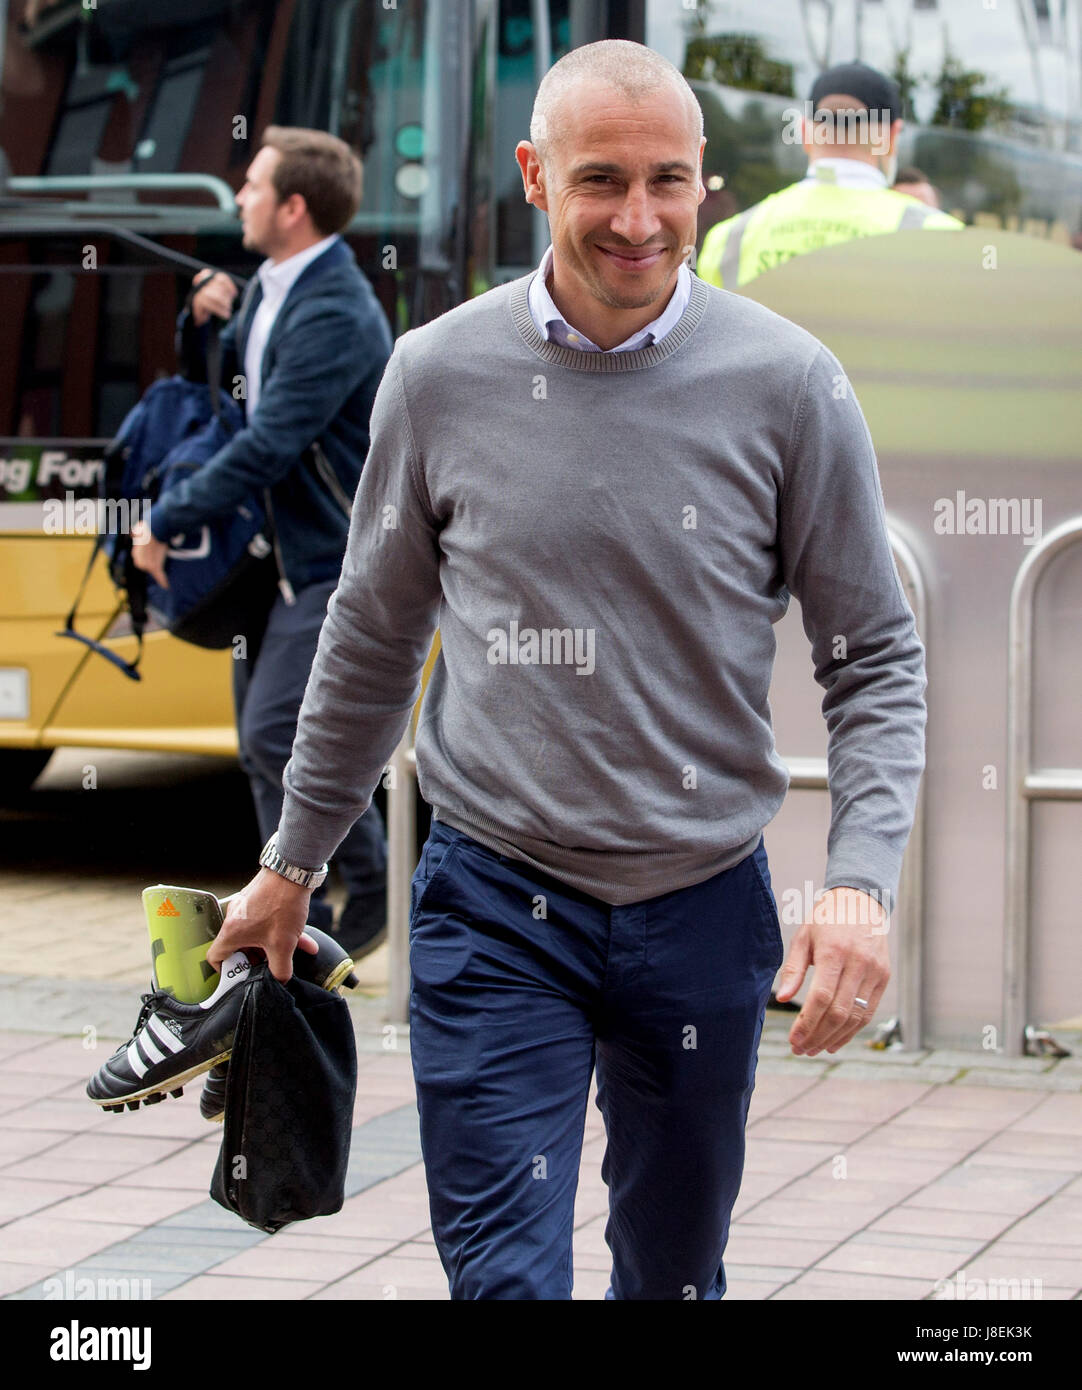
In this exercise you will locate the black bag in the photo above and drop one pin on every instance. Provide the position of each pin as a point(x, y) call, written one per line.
point(288, 1105)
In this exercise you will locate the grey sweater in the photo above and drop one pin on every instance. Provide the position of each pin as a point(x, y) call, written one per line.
point(605, 541)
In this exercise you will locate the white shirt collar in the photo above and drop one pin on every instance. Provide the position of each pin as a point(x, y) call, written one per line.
point(278, 279)
point(846, 173)
point(551, 324)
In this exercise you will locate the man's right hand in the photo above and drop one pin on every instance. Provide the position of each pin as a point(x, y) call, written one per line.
point(268, 913)
point(216, 297)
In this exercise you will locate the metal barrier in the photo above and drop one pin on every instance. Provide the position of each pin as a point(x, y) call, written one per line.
point(1025, 785)
point(909, 1021)
point(148, 183)
point(809, 774)
point(401, 862)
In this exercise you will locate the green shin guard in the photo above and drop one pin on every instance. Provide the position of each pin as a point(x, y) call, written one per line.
point(182, 923)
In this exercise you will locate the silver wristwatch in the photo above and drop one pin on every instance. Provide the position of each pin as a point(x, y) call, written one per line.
point(305, 878)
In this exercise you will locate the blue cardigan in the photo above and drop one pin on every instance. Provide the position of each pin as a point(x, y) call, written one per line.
point(321, 367)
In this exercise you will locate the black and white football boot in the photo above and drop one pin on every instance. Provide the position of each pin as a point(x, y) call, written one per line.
point(172, 1043)
point(330, 967)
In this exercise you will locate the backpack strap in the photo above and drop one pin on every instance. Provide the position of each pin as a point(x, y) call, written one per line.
point(214, 366)
point(69, 630)
point(108, 484)
point(130, 668)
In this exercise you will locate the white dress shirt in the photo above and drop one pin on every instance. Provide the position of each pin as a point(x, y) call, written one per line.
point(551, 324)
point(277, 279)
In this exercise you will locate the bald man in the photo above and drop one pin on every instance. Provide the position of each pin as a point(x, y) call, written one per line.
point(604, 481)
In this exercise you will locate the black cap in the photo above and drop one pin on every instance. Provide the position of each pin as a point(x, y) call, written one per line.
point(872, 89)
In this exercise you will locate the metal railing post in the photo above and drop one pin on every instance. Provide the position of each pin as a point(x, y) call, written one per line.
point(401, 861)
point(911, 879)
point(1025, 785)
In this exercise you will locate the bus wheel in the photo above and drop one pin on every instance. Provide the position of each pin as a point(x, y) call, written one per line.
point(21, 767)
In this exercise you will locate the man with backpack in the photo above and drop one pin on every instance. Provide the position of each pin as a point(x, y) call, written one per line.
point(308, 343)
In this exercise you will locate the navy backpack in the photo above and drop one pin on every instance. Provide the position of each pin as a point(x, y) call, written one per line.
point(218, 573)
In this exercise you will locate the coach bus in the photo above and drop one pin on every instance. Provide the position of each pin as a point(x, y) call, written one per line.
point(125, 130)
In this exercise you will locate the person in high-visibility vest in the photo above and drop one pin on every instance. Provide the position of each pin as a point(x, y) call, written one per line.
point(849, 130)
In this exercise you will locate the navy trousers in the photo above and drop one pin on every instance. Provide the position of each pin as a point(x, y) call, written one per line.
point(521, 986)
point(268, 687)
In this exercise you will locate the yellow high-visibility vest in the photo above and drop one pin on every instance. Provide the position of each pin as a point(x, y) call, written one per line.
point(807, 215)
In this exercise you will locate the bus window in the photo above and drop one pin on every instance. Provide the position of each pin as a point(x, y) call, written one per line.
point(369, 74)
point(384, 80)
point(149, 97)
point(521, 231)
point(114, 89)
point(89, 341)
point(991, 96)
point(119, 89)
point(169, 121)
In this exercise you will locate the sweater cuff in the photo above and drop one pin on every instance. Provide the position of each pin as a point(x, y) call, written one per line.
point(308, 838)
point(869, 864)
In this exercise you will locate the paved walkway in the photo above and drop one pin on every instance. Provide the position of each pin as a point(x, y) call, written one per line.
point(866, 1178)
point(871, 1175)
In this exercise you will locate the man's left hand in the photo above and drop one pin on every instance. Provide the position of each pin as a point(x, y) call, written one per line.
point(846, 941)
point(149, 554)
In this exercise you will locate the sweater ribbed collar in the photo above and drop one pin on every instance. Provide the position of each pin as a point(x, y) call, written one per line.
point(605, 362)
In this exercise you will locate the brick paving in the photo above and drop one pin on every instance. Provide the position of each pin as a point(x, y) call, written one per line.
point(869, 1178)
point(869, 1175)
